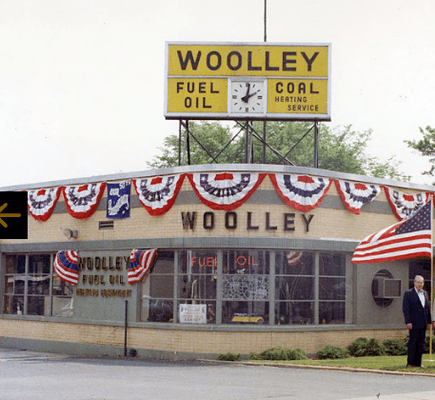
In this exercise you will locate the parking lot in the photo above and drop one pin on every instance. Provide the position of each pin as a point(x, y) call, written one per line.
point(46, 376)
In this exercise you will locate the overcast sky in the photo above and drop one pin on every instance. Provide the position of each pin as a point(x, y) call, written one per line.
point(82, 81)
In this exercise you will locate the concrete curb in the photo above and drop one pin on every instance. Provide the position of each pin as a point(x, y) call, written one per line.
point(322, 367)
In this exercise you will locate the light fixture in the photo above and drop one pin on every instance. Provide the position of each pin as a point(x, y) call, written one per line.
point(69, 233)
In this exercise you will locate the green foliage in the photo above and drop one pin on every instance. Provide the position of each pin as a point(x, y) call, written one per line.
point(426, 147)
point(394, 347)
point(229, 357)
point(332, 352)
point(279, 353)
point(362, 347)
point(340, 149)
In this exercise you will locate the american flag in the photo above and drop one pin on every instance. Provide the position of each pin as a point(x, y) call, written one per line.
point(140, 263)
point(66, 266)
point(407, 239)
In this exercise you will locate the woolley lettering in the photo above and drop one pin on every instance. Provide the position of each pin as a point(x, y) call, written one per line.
point(189, 220)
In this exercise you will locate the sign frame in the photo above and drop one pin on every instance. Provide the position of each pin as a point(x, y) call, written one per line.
point(200, 83)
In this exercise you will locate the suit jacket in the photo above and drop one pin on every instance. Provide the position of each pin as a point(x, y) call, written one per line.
point(414, 312)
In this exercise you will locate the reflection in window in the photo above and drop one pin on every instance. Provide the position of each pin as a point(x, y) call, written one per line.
point(197, 276)
point(158, 290)
point(245, 287)
point(332, 288)
point(31, 288)
point(294, 288)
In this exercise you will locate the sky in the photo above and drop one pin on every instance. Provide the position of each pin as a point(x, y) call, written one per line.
point(82, 81)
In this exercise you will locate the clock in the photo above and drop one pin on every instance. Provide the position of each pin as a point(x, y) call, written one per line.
point(247, 97)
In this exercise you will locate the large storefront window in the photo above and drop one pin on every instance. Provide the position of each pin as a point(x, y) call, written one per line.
point(197, 277)
point(157, 303)
point(294, 288)
point(310, 292)
point(245, 287)
point(31, 288)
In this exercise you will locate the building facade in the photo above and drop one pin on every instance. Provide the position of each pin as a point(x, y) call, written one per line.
point(249, 257)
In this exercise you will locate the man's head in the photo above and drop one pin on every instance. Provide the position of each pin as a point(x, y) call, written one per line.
point(419, 282)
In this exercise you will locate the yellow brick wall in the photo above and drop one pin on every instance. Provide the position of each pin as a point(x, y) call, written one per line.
point(187, 341)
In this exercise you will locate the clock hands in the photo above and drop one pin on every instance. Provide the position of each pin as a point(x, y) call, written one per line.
point(248, 95)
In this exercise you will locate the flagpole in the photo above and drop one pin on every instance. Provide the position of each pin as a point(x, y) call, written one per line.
point(431, 282)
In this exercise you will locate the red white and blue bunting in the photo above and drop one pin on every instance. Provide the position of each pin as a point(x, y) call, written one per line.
point(301, 192)
point(158, 194)
point(82, 200)
point(227, 190)
point(66, 266)
point(41, 202)
point(402, 204)
point(140, 263)
point(355, 195)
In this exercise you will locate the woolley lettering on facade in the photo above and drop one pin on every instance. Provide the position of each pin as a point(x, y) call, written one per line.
point(231, 221)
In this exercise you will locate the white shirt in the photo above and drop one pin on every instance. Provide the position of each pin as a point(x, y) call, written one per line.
point(422, 297)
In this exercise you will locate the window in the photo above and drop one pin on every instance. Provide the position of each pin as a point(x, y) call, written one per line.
point(196, 283)
point(157, 303)
point(294, 288)
point(245, 287)
point(307, 292)
point(31, 288)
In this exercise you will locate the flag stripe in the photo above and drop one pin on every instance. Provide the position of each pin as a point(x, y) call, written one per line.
point(406, 239)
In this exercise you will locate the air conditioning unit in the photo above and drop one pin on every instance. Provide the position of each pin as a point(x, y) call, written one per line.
point(386, 288)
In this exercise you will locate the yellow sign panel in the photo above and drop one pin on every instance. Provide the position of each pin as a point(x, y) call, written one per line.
point(248, 60)
point(261, 81)
point(297, 96)
point(196, 95)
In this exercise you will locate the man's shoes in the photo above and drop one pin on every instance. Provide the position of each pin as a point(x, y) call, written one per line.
point(410, 366)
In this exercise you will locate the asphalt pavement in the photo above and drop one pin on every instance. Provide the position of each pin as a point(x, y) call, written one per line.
point(48, 376)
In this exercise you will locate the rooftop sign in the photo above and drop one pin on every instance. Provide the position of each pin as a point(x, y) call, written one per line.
point(263, 81)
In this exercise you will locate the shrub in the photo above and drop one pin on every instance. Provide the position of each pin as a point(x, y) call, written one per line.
point(395, 347)
point(229, 357)
point(332, 352)
point(279, 353)
point(366, 347)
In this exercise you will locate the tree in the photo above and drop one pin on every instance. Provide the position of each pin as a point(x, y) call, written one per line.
point(426, 147)
point(340, 149)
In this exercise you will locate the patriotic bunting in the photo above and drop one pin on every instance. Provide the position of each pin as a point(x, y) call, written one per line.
point(140, 264)
point(406, 239)
point(293, 258)
point(227, 190)
point(41, 202)
point(66, 266)
point(81, 201)
point(118, 200)
point(403, 205)
point(158, 194)
point(301, 192)
point(355, 195)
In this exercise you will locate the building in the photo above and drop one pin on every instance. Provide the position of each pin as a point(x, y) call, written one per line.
point(250, 271)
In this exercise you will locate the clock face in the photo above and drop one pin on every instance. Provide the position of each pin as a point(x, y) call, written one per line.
point(247, 97)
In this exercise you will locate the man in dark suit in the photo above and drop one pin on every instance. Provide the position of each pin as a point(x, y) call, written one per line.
point(416, 309)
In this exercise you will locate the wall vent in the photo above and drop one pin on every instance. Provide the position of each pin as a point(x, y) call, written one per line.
point(102, 225)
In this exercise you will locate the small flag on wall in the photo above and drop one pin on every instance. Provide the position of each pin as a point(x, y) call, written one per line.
point(118, 200)
point(140, 264)
point(66, 266)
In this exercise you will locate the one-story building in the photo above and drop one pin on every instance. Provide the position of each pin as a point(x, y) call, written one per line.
point(241, 258)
